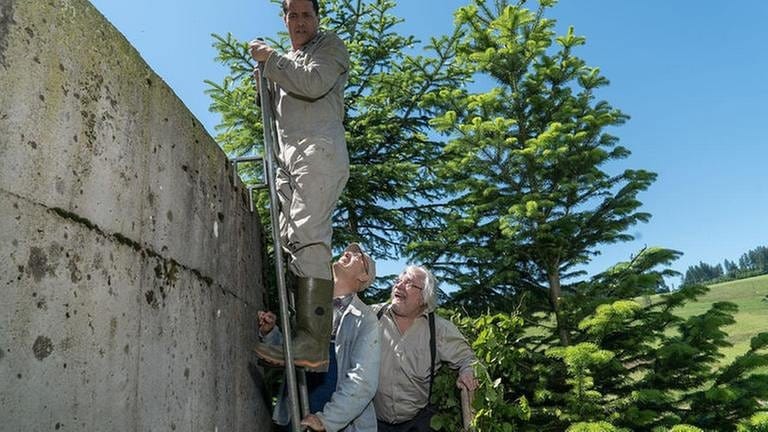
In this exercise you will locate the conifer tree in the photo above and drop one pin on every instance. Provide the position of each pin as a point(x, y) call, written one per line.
point(633, 363)
point(531, 197)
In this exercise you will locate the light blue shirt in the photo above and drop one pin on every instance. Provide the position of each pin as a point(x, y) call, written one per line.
point(358, 355)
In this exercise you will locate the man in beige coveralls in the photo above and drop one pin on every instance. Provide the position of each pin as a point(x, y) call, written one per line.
point(308, 91)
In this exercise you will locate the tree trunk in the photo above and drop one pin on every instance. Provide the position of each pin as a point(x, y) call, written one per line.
point(554, 300)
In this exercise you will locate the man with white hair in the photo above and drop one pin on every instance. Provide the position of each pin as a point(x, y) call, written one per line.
point(415, 342)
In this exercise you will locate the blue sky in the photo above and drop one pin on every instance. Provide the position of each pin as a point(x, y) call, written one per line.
point(690, 73)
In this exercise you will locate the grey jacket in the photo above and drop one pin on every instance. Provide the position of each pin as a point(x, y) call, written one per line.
point(310, 94)
point(357, 356)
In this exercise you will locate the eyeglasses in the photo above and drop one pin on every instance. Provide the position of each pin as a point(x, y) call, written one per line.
point(408, 283)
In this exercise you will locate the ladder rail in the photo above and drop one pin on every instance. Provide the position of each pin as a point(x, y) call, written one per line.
point(270, 161)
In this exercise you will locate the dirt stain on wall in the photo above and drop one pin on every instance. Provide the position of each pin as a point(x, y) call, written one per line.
point(42, 347)
point(37, 264)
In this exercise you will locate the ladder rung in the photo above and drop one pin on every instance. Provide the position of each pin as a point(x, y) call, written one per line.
point(246, 159)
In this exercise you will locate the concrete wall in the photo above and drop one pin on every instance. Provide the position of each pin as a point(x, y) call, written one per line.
point(129, 262)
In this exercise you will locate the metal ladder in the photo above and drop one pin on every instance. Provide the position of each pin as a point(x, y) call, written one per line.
point(296, 381)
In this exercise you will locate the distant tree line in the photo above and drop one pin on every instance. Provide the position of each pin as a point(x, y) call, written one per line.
point(751, 263)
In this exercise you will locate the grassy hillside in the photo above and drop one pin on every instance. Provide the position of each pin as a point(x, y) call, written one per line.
point(752, 318)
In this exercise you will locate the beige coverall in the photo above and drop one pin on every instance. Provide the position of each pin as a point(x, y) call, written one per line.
point(313, 160)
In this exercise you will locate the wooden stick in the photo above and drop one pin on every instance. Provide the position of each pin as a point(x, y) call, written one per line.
point(466, 408)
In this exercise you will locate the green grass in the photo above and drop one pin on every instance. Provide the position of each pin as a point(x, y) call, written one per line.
point(752, 317)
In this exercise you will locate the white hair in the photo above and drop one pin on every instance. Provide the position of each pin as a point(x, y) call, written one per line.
point(429, 293)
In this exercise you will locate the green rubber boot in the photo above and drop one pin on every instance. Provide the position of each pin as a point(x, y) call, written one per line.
point(312, 335)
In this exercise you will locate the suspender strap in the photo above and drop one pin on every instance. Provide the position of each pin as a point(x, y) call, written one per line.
point(432, 352)
point(432, 345)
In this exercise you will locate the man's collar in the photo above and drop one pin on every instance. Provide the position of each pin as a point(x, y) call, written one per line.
point(342, 302)
point(313, 41)
point(422, 314)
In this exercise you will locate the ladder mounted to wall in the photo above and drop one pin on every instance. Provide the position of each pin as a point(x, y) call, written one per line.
point(296, 382)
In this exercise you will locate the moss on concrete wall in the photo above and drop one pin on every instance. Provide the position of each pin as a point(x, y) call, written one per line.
point(129, 261)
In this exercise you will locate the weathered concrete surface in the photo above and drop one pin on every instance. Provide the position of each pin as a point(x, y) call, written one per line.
point(129, 262)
